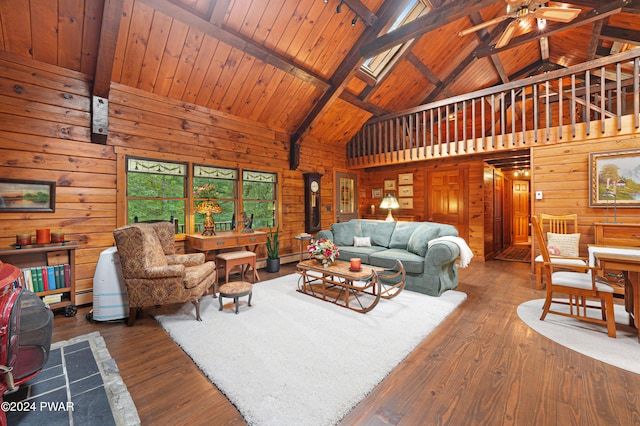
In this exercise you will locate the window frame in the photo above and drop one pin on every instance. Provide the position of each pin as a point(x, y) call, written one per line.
point(189, 225)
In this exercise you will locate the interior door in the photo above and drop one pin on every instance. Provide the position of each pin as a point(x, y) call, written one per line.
point(346, 197)
point(520, 211)
point(446, 198)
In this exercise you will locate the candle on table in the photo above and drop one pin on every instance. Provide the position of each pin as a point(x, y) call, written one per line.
point(355, 263)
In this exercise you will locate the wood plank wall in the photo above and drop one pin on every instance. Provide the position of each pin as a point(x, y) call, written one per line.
point(561, 173)
point(475, 209)
point(45, 135)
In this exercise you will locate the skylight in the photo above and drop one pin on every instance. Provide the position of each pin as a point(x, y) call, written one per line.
point(375, 65)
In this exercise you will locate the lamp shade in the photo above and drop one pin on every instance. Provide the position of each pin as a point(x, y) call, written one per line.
point(389, 202)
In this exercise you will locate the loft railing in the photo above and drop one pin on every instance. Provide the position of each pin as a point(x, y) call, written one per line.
point(569, 104)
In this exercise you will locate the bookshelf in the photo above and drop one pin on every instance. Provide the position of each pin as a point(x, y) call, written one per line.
point(49, 257)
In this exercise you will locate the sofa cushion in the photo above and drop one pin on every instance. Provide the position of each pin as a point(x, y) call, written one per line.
point(343, 233)
point(379, 231)
point(420, 238)
point(348, 252)
point(401, 234)
point(413, 264)
point(362, 241)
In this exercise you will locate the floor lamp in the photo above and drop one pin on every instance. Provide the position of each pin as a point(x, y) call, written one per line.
point(389, 202)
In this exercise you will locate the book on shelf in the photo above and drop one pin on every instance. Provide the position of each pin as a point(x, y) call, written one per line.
point(45, 278)
point(51, 277)
point(67, 275)
point(28, 278)
point(52, 298)
point(36, 273)
point(59, 273)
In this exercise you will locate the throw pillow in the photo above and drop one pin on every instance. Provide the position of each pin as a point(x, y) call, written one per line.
point(344, 232)
point(362, 241)
point(419, 240)
point(563, 244)
point(401, 234)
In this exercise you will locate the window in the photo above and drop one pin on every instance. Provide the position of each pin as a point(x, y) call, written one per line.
point(259, 197)
point(377, 64)
point(155, 190)
point(162, 190)
point(220, 185)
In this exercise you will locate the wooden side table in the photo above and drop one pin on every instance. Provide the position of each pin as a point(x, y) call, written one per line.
point(302, 238)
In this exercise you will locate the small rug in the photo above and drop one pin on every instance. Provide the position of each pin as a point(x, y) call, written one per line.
point(291, 359)
point(587, 338)
point(515, 254)
point(79, 385)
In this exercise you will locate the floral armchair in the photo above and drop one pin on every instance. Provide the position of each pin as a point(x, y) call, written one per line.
point(154, 274)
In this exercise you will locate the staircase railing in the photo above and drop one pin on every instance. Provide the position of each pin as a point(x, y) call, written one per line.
point(579, 102)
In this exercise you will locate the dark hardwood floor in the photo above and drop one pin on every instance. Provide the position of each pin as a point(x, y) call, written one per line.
point(482, 366)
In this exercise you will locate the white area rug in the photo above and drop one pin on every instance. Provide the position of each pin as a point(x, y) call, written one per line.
point(291, 359)
point(588, 339)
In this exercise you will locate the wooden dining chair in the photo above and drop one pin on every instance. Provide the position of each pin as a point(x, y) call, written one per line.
point(558, 224)
point(579, 287)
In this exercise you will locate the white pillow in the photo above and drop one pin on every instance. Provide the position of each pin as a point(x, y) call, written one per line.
point(563, 244)
point(362, 241)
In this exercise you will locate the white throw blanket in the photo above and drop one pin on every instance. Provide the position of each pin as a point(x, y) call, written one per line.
point(465, 252)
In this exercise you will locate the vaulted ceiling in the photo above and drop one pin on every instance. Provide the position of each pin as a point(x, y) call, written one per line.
point(294, 65)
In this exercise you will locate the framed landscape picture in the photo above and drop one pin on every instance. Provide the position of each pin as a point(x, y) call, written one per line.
point(614, 178)
point(27, 195)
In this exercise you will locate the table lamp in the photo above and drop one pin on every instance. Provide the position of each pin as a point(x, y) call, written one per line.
point(389, 202)
point(206, 208)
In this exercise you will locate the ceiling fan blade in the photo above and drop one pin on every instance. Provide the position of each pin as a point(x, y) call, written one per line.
point(485, 24)
point(507, 34)
point(559, 14)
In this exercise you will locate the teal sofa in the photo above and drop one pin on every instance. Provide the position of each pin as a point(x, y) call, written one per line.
point(430, 270)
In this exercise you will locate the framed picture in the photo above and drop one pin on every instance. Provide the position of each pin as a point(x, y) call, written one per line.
point(405, 191)
point(27, 195)
point(405, 179)
point(389, 185)
point(613, 178)
point(376, 193)
point(406, 203)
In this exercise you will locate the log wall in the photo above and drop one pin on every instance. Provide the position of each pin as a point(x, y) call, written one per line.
point(45, 135)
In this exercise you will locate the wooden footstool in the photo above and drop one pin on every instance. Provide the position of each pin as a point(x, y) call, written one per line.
point(235, 290)
point(228, 260)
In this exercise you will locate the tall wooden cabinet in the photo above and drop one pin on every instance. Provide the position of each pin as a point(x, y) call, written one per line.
point(46, 255)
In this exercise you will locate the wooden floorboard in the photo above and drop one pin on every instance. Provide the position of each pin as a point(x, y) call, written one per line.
point(481, 366)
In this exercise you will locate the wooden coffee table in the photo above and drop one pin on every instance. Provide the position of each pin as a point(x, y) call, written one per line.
point(359, 291)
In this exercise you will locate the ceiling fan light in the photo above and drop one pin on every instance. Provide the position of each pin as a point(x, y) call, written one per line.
point(542, 23)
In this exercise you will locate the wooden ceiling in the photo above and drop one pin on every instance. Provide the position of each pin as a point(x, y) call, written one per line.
point(294, 64)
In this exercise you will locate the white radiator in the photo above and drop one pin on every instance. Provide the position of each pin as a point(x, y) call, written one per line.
point(110, 300)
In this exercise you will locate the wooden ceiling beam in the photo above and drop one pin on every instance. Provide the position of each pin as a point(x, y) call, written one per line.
point(109, 29)
point(622, 35)
point(595, 40)
point(462, 65)
point(583, 19)
point(363, 12)
point(433, 20)
point(237, 41)
point(388, 10)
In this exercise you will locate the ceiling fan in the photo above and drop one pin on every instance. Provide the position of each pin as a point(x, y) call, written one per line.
point(521, 11)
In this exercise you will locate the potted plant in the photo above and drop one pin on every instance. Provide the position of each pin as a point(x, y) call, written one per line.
point(273, 251)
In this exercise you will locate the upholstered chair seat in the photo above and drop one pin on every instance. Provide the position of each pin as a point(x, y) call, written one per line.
point(154, 274)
